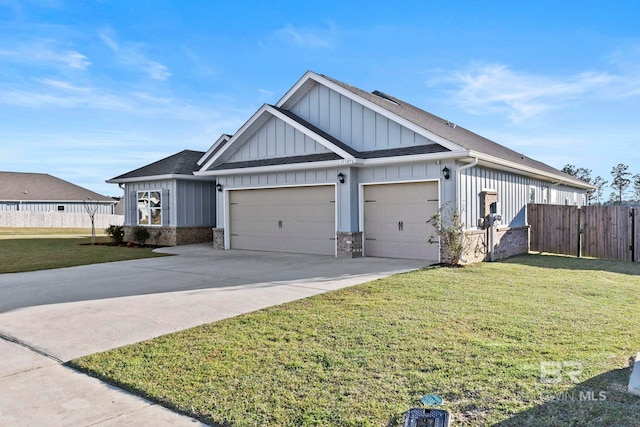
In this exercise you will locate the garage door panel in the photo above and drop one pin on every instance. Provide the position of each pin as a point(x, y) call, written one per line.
point(294, 219)
point(396, 218)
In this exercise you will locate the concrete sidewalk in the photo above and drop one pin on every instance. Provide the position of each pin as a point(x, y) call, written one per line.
point(59, 315)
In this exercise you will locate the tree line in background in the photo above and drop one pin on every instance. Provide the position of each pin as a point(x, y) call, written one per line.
point(626, 188)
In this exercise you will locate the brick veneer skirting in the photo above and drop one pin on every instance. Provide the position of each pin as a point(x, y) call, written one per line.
point(508, 242)
point(172, 236)
point(349, 244)
point(218, 239)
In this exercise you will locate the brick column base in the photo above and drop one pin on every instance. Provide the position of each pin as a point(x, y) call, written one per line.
point(218, 239)
point(349, 244)
point(508, 242)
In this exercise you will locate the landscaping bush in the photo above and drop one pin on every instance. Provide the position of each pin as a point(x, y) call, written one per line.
point(116, 232)
point(141, 235)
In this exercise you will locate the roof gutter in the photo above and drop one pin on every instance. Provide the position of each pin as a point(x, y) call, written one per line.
point(531, 171)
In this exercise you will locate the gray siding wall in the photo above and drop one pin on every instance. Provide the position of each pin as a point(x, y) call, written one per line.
point(353, 124)
point(195, 203)
point(191, 203)
point(276, 139)
point(513, 194)
point(69, 207)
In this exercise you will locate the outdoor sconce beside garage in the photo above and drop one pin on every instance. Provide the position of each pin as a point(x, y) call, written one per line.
point(446, 173)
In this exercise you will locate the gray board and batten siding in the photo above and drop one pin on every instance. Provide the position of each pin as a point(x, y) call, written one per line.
point(185, 203)
point(513, 191)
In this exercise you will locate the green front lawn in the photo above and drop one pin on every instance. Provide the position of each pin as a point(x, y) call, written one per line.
point(30, 254)
point(362, 356)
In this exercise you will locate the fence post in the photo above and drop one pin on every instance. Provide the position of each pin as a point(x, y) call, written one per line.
point(579, 214)
point(632, 213)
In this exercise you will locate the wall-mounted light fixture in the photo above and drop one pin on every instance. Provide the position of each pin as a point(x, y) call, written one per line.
point(219, 187)
point(341, 177)
point(445, 173)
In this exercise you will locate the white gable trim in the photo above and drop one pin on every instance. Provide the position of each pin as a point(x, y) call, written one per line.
point(257, 115)
point(302, 84)
point(223, 138)
point(258, 119)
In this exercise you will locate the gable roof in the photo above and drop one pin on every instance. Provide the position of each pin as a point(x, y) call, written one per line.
point(182, 163)
point(262, 116)
point(18, 186)
point(443, 132)
point(463, 137)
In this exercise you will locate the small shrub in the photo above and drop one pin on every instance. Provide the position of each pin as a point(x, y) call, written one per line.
point(116, 232)
point(450, 228)
point(141, 235)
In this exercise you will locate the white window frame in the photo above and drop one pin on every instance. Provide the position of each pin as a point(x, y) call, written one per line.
point(532, 192)
point(148, 212)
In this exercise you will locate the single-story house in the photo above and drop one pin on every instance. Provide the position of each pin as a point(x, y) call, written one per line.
point(41, 192)
point(332, 169)
point(42, 200)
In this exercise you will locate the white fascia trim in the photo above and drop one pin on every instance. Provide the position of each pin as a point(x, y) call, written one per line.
point(276, 168)
point(223, 138)
point(311, 134)
point(267, 109)
point(235, 136)
point(529, 171)
point(415, 158)
point(296, 87)
point(157, 178)
point(382, 111)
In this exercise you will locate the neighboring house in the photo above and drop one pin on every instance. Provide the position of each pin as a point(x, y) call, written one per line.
point(335, 170)
point(43, 195)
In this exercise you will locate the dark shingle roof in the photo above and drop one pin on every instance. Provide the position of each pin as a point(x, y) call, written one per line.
point(393, 152)
point(15, 186)
point(278, 161)
point(182, 163)
point(445, 129)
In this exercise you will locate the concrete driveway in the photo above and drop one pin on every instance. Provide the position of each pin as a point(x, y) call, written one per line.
point(50, 317)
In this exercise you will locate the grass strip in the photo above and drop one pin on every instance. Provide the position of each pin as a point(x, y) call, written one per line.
point(20, 255)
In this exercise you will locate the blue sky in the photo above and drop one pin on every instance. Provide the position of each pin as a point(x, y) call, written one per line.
point(93, 89)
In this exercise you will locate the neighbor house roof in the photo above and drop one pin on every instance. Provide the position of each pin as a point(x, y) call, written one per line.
point(182, 163)
point(18, 186)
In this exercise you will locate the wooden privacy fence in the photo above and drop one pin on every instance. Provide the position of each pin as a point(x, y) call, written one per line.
point(611, 232)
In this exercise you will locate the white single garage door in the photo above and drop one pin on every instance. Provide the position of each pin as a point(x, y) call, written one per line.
point(395, 220)
point(293, 219)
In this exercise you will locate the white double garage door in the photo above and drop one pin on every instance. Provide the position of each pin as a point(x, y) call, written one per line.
point(303, 220)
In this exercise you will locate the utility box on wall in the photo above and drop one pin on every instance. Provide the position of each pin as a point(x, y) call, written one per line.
point(488, 206)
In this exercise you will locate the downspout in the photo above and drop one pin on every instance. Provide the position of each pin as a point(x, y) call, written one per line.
point(473, 163)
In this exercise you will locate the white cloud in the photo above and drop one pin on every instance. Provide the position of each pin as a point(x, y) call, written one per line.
point(130, 54)
point(495, 88)
point(313, 38)
point(43, 53)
